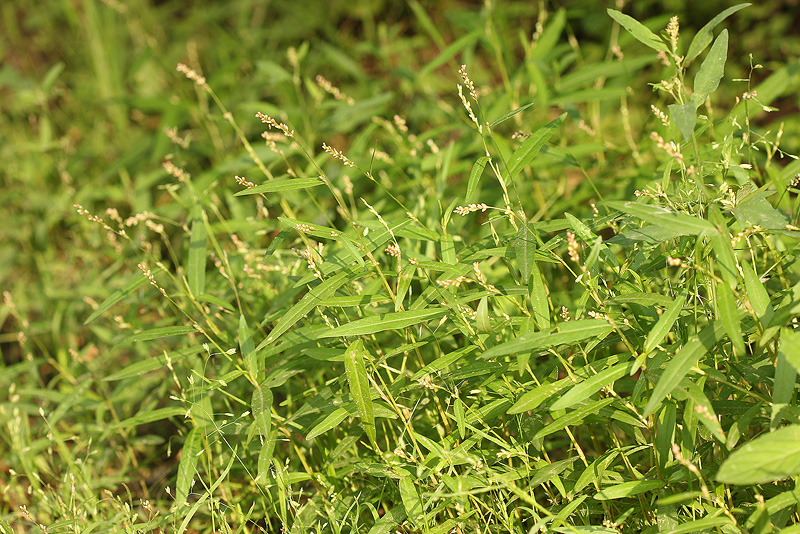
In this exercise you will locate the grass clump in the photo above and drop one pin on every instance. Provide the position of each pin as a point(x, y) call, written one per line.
point(536, 300)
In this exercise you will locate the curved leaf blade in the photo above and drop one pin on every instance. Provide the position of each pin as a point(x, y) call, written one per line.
point(638, 30)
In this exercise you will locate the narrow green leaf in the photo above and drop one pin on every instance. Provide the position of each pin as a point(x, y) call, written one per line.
point(324, 290)
point(585, 389)
point(721, 243)
point(707, 416)
point(260, 406)
point(474, 178)
point(403, 286)
point(151, 364)
point(384, 322)
point(509, 115)
point(331, 421)
point(729, 316)
point(458, 410)
point(248, 349)
point(638, 30)
point(538, 293)
point(700, 525)
point(275, 186)
point(525, 250)
point(265, 456)
point(525, 153)
point(187, 466)
point(627, 489)
point(678, 222)
point(388, 523)
point(665, 435)
point(149, 416)
point(482, 316)
point(664, 324)
point(216, 301)
point(680, 364)
point(756, 294)
point(196, 265)
point(685, 117)
point(790, 347)
point(712, 70)
point(189, 514)
point(359, 387)
point(573, 418)
point(276, 243)
point(137, 282)
point(448, 247)
point(703, 37)
point(770, 457)
point(157, 333)
point(566, 333)
point(448, 53)
point(642, 299)
point(585, 529)
point(412, 502)
point(532, 399)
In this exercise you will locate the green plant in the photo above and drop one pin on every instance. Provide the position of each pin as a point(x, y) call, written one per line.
point(439, 321)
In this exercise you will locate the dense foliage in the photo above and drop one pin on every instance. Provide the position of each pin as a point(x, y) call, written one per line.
point(404, 267)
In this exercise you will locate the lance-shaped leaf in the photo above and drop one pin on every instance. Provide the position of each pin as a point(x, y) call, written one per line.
point(525, 153)
point(664, 324)
point(680, 223)
point(639, 31)
point(681, 363)
point(567, 333)
point(196, 264)
point(703, 38)
point(711, 71)
point(474, 178)
point(359, 387)
point(384, 322)
point(260, 405)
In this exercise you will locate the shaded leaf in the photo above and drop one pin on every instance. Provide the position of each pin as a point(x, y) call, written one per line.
point(311, 299)
point(680, 364)
point(522, 156)
point(157, 333)
point(685, 117)
point(585, 389)
point(137, 282)
point(187, 466)
point(664, 324)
